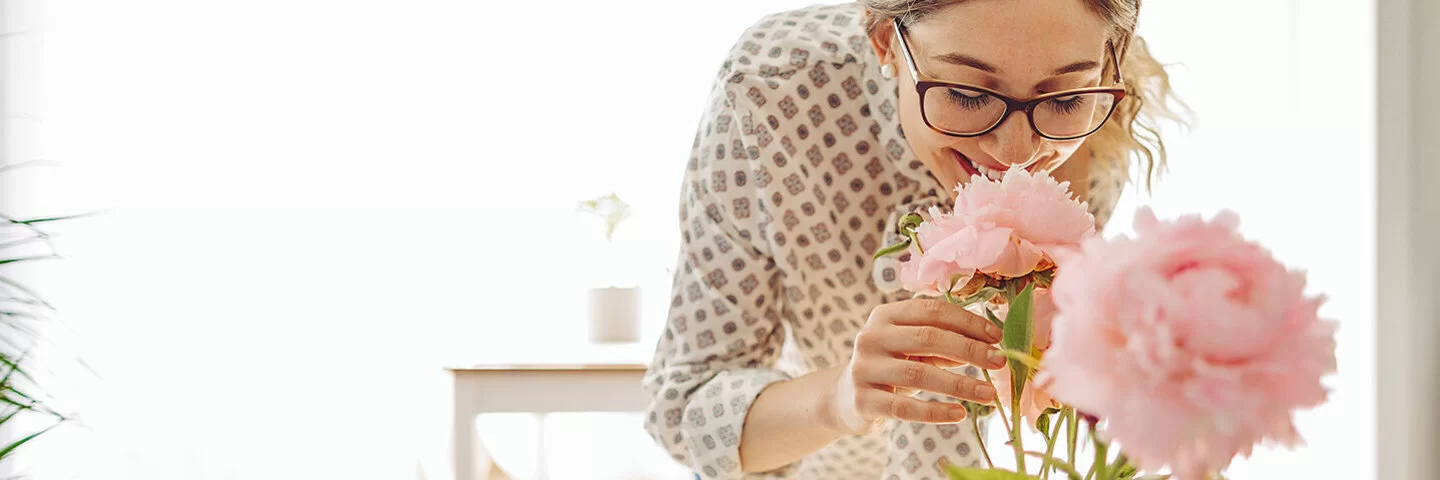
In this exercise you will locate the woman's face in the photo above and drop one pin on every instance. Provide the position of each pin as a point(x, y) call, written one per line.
point(1020, 48)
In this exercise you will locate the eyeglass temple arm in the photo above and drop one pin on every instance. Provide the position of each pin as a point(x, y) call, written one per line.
point(1115, 58)
point(905, 50)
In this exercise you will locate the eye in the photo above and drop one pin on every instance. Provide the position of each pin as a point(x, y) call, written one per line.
point(969, 100)
point(1066, 105)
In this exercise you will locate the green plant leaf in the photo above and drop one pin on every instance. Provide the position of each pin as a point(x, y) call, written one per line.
point(4, 261)
point(1019, 334)
point(32, 221)
point(5, 452)
point(15, 368)
point(21, 314)
point(893, 249)
point(957, 473)
point(16, 285)
point(1043, 424)
point(982, 295)
point(22, 241)
point(989, 315)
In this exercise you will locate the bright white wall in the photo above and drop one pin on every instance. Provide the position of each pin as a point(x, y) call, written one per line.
point(318, 203)
point(1284, 95)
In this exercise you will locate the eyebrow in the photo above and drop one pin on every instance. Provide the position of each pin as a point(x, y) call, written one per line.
point(975, 63)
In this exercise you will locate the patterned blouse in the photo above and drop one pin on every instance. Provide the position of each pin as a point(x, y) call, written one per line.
point(798, 172)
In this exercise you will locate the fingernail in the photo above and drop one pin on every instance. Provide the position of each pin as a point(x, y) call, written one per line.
point(994, 331)
point(984, 393)
point(996, 358)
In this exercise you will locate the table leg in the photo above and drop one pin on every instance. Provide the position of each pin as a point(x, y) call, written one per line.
point(463, 444)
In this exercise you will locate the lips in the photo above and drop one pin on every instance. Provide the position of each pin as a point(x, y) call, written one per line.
point(965, 164)
point(972, 168)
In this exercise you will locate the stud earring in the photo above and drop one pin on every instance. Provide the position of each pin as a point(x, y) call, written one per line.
point(887, 71)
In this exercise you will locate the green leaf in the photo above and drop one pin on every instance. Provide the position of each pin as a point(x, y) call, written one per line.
point(4, 452)
point(23, 241)
point(1128, 471)
point(893, 249)
point(1019, 335)
point(16, 285)
point(27, 259)
point(991, 316)
point(1043, 424)
point(982, 295)
point(957, 473)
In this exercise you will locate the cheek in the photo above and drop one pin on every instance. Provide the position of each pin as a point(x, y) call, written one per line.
point(1063, 150)
point(1060, 152)
point(910, 119)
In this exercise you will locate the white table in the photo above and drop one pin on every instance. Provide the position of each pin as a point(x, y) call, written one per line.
point(584, 379)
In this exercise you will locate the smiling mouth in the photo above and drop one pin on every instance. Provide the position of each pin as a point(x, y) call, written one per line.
point(972, 168)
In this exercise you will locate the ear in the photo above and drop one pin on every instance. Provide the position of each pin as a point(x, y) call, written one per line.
point(883, 41)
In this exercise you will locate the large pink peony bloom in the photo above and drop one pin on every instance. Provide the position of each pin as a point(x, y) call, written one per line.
point(1035, 398)
point(1192, 343)
point(1002, 229)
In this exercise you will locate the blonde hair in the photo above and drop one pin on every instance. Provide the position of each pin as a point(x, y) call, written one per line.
point(1131, 132)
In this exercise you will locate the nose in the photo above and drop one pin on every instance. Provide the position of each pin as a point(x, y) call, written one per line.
point(1013, 142)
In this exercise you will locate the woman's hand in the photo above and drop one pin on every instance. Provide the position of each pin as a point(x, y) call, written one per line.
point(901, 350)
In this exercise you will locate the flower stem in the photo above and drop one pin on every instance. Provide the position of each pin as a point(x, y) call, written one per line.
point(1061, 464)
point(1015, 436)
point(1101, 456)
point(980, 439)
point(1072, 430)
point(1050, 448)
point(998, 404)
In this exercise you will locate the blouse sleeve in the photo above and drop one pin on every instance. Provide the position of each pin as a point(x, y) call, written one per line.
point(725, 330)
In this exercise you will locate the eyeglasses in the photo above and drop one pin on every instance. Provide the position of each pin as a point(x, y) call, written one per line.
point(960, 110)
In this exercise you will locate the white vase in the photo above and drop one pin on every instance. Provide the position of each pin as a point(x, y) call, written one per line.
point(614, 315)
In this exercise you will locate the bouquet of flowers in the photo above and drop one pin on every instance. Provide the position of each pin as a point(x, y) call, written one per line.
point(1177, 349)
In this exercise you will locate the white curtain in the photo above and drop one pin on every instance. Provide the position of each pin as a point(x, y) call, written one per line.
point(318, 204)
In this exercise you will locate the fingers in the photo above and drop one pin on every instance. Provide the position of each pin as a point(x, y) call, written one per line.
point(938, 343)
point(939, 362)
point(886, 404)
point(927, 312)
point(904, 374)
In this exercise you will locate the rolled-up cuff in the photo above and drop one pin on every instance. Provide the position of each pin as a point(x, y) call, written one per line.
point(714, 418)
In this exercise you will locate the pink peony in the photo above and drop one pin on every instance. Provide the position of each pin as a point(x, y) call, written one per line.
point(1002, 229)
point(1035, 399)
point(1192, 343)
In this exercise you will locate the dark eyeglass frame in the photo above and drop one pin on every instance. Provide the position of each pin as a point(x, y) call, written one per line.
point(1011, 105)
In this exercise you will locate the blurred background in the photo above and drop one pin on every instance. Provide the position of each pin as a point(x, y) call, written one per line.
point(311, 208)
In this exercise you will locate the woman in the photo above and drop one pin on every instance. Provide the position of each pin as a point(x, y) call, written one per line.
point(789, 353)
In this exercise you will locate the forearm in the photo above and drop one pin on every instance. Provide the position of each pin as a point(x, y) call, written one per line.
point(788, 421)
